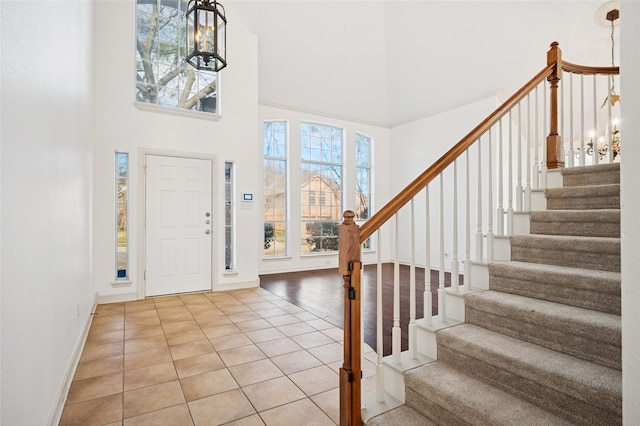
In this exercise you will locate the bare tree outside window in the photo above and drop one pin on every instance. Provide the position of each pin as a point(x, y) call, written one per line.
point(363, 181)
point(275, 188)
point(122, 201)
point(162, 76)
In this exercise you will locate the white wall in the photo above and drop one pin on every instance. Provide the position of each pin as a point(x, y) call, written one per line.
point(120, 125)
point(47, 293)
point(325, 56)
point(295, 260)
point(630, 204)
point(417, 145)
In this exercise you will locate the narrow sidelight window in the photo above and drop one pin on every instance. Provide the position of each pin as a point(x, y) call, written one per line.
point(229, 234)
point(122, 229)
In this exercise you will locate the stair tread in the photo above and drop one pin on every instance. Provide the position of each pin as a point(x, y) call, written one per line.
point(571, 243)
point(568, 238)
point(559, 270)
point(476, 402)
point(592, 222)
point(595, 168)
point(602, 253)
point(570, 319)
point(605, 190)
point(588, 381)
point(611, 215)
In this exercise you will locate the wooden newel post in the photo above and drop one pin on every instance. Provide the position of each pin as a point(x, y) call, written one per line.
point(555, 156)
point(349, 267)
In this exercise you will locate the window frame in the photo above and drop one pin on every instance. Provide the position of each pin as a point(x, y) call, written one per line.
point(328, 228)
point(126, 276)
point(229, 217)
point(285, 221)
point(180, 63)
point(369, 244)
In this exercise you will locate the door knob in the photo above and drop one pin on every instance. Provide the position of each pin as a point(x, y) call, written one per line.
point(208, 231)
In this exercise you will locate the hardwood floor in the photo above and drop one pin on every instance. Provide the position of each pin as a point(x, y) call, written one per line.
point(321, 292)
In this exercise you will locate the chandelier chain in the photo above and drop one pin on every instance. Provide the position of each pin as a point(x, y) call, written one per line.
point(613, 64)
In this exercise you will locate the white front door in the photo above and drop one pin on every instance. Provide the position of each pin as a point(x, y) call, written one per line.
point(178, 225)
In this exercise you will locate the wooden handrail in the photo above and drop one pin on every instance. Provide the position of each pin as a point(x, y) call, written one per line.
point(393, 206)
point(585, 69)
point(418, 184)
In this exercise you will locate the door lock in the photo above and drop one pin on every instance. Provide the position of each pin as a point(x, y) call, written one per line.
point(207, 214)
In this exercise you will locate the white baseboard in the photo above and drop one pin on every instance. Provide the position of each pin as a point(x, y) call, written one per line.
point(63, 389)
point(237, 286)
point(116, 298)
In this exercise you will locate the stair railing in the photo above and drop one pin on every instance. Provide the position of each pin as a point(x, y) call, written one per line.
point(507, 161)
point(591, 128)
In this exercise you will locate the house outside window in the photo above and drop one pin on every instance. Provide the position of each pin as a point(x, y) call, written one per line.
point(163, 77)
point(321, 164)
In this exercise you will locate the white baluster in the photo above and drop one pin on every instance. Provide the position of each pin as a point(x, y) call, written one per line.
point(442, 315)
point(500, 212)
point(511, 188)
point(479, 236)
point(563, 134)
point(583, 133)
point(545, 132)
point(396, 335)
point(596, 150)
point(572, 154)
point(536, 147)
point(455, 271)
point(490, 204)
point(519, 190)
point(527, 188)
point(467, 230)
point(427, 300)
point(379, 331)
point(413, 344)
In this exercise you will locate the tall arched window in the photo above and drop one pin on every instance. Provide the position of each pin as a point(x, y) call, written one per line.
point(321, 162)
point(275, 188)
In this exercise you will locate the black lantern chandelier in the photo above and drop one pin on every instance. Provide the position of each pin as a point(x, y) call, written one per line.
point(206, 35)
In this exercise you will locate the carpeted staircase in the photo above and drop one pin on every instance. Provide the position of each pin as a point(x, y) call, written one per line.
point(542, 346)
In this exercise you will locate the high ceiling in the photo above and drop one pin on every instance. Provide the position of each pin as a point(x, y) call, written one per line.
point(387, 62)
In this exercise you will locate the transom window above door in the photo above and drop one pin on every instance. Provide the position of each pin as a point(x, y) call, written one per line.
point(163, 77)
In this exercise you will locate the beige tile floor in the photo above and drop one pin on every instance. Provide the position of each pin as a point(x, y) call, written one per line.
point(244, 357)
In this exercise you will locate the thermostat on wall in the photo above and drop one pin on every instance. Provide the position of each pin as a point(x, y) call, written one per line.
point(247, 197)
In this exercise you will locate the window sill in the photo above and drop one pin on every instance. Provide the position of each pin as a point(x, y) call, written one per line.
point(320, 254)
point(122, 283)
point(144, 106)
point(276, 258)
point(230, 273)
